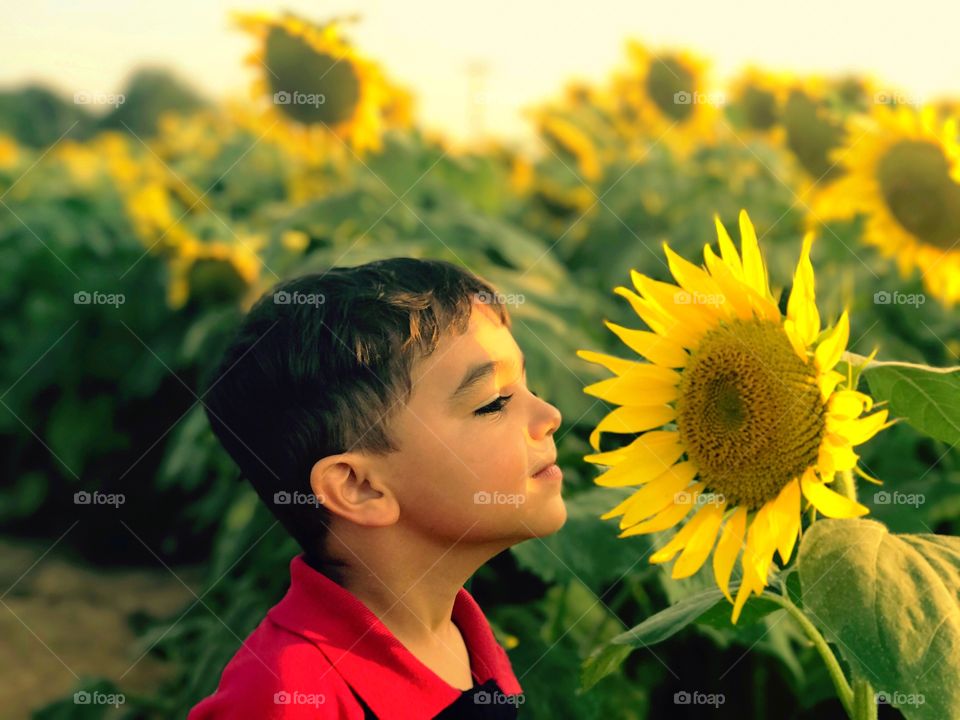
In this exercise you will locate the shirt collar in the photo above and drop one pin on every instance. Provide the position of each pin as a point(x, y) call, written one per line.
point(389, 678)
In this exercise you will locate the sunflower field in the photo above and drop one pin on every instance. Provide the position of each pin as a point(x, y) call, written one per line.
point(744, 301)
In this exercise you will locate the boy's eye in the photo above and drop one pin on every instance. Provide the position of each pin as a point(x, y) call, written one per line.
point(494, 407)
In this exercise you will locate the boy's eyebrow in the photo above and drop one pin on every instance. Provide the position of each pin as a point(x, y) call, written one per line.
point(478, 373)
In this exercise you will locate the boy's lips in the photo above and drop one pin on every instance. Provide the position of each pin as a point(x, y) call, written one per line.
point(548, 470)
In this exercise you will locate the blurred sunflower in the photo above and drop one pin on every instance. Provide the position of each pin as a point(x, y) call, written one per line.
point(317, 85)
point(570, 144)
point(903, 173)
point(664, 96)
point(759, 419)
point(9, 152)
point(755, 103)
point(213, 272)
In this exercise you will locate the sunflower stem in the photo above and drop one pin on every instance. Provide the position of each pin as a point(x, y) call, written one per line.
point(840, 683)
point(846, 485)
point(864, 699)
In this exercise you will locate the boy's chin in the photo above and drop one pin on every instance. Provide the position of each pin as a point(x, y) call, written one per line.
point(548, 519)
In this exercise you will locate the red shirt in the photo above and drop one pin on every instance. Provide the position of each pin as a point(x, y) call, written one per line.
point(320, 647)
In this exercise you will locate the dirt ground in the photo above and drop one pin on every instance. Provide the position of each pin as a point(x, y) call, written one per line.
point(63, 621)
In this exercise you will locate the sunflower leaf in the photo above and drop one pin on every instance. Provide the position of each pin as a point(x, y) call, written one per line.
point(926, 397)
point(890, 603)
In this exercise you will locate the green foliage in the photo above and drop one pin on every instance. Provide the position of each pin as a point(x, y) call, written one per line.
point(889, 603)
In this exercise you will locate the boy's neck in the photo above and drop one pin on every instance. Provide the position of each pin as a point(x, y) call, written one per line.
point(412, 588)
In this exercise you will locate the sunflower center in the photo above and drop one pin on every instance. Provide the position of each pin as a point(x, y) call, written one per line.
point(309, 86)
point(670, 85)
point(759, 108)
point(811, 135)
point(749, 412)
point(916, 186)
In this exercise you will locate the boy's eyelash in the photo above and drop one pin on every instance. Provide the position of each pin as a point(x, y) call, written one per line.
point(494, 407)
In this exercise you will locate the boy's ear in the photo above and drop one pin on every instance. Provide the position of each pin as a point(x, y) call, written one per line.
point(346, 486)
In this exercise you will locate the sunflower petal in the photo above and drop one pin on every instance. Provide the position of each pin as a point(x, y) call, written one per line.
point(666, 518)
point(727, 250)
point(802, 307)
point(862, 429)
point(632, 420)
point(725, 556)
point(655, 348)
point(698, 548)
point(829, 351)
point(642, 386)
point(618, 366)
point(679, 541)
point(828, 502)
point(651, 452)
point(786, 519)
point(659, 493)
point(754, 272)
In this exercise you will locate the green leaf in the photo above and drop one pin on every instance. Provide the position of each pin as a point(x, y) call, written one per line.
point(928, 398)
point(709, 607)
point(890, 603)
point(603, 661)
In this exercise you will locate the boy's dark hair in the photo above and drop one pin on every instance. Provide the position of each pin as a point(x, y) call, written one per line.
point(319, 365)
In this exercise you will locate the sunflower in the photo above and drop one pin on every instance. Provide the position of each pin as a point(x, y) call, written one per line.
point(571, 144)
point(9, 152)
point(213, 272)
point(317, 85)
point(664, 96)
point(741, 412)
point(756, 99)
point(902, 168)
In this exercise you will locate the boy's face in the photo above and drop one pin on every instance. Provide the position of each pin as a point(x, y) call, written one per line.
point(465, 465)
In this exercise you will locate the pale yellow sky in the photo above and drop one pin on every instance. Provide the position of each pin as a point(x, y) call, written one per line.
point(529, 49)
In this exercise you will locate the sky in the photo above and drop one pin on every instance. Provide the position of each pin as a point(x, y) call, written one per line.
point(527, 50)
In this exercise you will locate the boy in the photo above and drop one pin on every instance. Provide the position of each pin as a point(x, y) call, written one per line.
point(382, 413)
